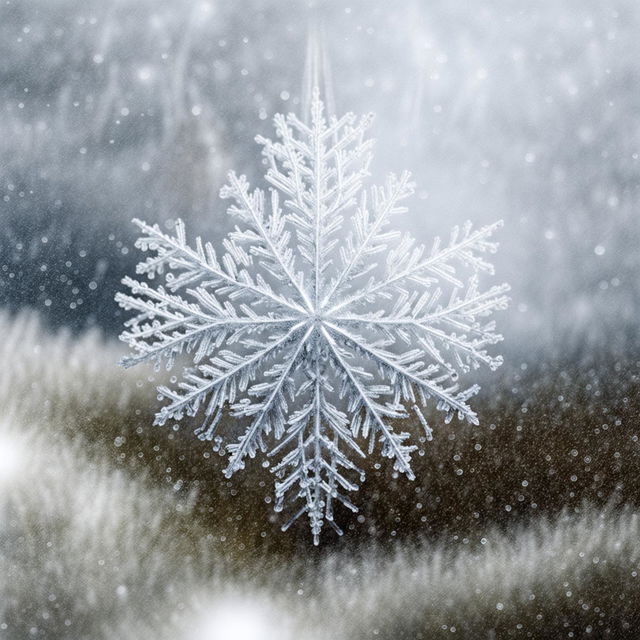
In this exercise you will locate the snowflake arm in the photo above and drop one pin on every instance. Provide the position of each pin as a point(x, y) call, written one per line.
point(315, 477)
point(417, 318)
point(270, 412)
point(219, 381)
point(370, 240)
point(375, 413)
point(409, 370)
point(318, 193)
point(270, 242)
point(201, 264)
point(168, 325)
point(407, 263)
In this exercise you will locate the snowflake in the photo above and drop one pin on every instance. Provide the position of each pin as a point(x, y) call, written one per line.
point(318, 326)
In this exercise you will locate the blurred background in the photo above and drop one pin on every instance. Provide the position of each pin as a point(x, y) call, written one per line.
point(501, 109)
point(524, 526)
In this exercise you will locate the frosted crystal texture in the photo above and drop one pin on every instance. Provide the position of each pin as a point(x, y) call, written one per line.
point(316, 325)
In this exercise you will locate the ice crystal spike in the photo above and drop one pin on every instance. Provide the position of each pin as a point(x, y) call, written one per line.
point(315, 325)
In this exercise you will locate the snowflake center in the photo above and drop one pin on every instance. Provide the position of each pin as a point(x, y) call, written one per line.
point(317, 318)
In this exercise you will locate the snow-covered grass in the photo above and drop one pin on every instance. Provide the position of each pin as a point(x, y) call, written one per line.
point(82, 542)
point(63, 377)
point(576, 573)
point(111, 528)
point(89, 552)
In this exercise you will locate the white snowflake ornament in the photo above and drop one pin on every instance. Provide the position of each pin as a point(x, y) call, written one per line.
point(316, 326)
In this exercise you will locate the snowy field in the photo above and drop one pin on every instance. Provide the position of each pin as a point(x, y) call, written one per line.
point(527, 525)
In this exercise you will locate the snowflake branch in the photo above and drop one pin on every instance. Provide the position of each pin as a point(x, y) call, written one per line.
point(199, 326)
point(203, 386)
point(398, 189)
point(317, 148)
point(461, 250)
point(163, 301)
point(200, 264)
point(315, 507)
point(239, 189)
point(247, 444)
point(387, 360)
point(460, 313)
point(400, 452)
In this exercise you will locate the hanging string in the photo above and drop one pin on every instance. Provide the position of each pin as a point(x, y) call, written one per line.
point(317, 72)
